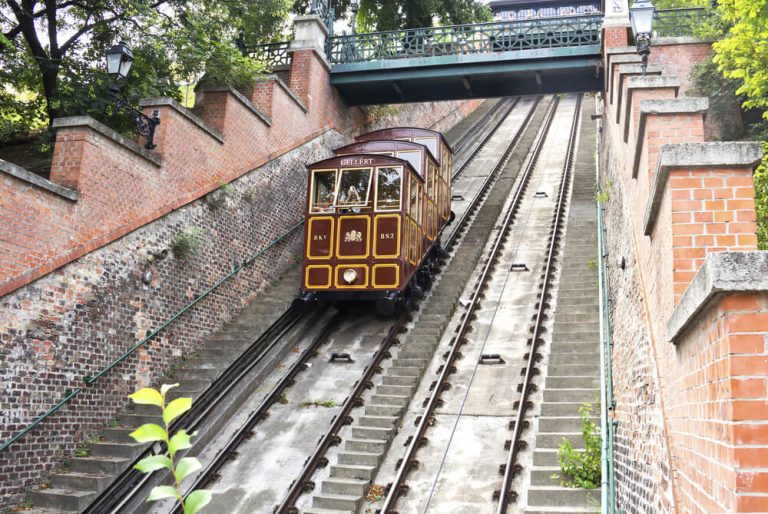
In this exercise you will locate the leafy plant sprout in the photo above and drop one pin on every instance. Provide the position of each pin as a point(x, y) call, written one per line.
point(152, 432)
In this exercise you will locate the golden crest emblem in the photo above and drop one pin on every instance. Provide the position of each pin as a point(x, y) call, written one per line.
point(353, 236)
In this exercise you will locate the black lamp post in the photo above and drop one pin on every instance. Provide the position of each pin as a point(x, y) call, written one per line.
point(641, 16)
point(119, 61)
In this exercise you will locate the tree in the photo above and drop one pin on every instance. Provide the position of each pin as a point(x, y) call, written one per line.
point(404, 14)
point(64, 41)
point(742, 53)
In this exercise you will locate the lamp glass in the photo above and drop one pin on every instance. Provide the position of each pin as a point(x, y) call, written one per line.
point(119, 60)
point(641, 16)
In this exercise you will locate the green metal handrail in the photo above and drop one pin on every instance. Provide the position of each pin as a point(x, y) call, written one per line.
point(273, 55)
point(679, 22)
point(566, 31)
point(91, 379)
point(607, 401)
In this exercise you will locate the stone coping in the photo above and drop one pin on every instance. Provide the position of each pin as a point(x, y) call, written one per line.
point(722, 273)
point(96, 126)
point(618, 59)
point(684, 105)
point(195, 119)
point(288, 91)
point(647, 82)
point(626, 70)
point(696, 155)
point(242, 98)
point(25, 175)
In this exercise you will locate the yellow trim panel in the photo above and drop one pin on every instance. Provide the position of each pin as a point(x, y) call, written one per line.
point(387, 286)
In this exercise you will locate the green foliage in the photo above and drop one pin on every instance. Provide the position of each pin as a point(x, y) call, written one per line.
point(318, 403)
point(152, 432)
point(188, 242)
point(721, 91)
point(378, 112)
point(402, 14)
point(742, 53)
point(59, 72)
point(603, 194)
point(582, 469)
point(679, 4)
point(592, 264)
point(218, 197)
point(761, 200)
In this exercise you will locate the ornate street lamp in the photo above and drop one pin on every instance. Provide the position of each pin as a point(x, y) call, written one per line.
point(119, 61)
point(641, 16)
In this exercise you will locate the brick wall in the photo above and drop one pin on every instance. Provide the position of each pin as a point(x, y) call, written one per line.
point(71, 260)
point(675, 201)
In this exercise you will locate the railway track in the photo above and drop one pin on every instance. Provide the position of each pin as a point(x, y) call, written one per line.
point(457, 473)
point(124, 495)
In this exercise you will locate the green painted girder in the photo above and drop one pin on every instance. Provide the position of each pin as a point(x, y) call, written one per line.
point(460, 65)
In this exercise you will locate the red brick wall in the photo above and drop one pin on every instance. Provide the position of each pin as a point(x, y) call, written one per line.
point(682, 444)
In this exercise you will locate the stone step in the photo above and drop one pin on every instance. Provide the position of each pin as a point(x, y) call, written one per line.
point(576, 327)
point(562, 423)
point(555, 439)
point(382, 434)
point(373, 409)
point(572, 358)
point(390, 390)
point(316, 510)
point(399, 381)
point(377, 421)
point(401, 362)
point(577, 309)
point(558, 409)
point(559, 510)
point(404, 372)
point(574, 370)
point(66, 499)
point(347, 486)
point(347, 471)
point(573, 382)
point(109, 449)
point(365, 445)
point(118, 434)
point(574, 293)
point(99, 465)
point(542, 475)
point(556, 496)
point(576, 317)
point(577, 347)
point(580, 302)
point(571, 395)
point(359, 458)
point(81, 481)
point(390, 399)
point(344, 502)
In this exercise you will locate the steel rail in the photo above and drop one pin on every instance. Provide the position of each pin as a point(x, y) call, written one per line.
point(303, 483)
point(475, 128)
point(460, 168)
point(495, 170)
point(130, 482)
point(408, 461)
point(244, 432)
point(509, 471)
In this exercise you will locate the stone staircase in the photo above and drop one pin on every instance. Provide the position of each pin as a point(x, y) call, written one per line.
point(573, 374)
point(75, 487)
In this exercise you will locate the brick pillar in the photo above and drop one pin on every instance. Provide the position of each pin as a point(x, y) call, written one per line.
point(262, 94)
point(68, 152)
point(615, 36)
point(719, 389)
point(712, 201)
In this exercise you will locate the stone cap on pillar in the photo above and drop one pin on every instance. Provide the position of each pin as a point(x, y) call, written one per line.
point(696, 155)
point(721, 273)
point(311, 33)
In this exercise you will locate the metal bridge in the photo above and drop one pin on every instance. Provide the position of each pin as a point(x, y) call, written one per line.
point(516, 57)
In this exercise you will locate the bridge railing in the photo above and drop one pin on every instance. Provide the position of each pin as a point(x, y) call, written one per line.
point(679, 22)
point(466, 39)
point(273, 55)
